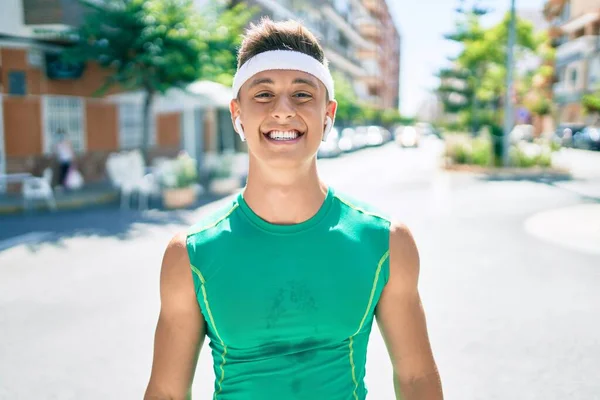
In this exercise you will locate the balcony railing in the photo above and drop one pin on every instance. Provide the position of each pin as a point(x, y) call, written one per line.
point(374, 6)
point(347, 28)
point(576, 49)
point(369, 28)
point(565, 93)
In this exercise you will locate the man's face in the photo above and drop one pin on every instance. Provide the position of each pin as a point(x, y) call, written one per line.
point(283, 114)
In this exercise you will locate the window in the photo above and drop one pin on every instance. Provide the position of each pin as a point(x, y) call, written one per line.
point(63, 114)
point(573, 76)
point(131, 126)
point(373, 91)
point(17, 84)
point(594, 72)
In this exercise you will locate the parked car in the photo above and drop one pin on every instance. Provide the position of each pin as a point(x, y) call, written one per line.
point(374, 136)
point(426, 130)
point(346, 142)
point(361, 137)
point(407, 136)
point(564, 133)
point(331, 146)
point(587, 139)
point(386, 135)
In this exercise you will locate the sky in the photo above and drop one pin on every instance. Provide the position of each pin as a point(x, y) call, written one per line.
point(422, 25)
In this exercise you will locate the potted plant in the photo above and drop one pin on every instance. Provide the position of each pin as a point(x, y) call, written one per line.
point(180, 182)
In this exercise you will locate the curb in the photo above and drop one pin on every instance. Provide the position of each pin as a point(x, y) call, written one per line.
point(218, 188)
point(64, 204)
point(512, 173)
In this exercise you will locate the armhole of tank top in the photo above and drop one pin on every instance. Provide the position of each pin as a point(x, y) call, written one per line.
point(196, 274)
point(386, 263)
point(384, 257)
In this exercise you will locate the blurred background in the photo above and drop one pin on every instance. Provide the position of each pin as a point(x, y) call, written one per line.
point(474, 122)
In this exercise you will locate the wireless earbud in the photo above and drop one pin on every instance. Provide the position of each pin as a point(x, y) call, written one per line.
point(328, 127)
point(240, 130)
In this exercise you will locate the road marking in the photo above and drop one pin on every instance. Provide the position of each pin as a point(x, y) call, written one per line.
point(576, 227)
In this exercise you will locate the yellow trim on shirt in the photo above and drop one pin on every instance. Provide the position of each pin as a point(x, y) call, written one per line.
point(362, 322)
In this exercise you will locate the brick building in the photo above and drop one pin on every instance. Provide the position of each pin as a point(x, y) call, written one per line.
point(40, 95)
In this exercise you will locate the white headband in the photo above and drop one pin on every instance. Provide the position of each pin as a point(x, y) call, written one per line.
point(283, 59)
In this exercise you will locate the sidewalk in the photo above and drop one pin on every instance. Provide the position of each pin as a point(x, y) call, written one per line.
point(90, 195)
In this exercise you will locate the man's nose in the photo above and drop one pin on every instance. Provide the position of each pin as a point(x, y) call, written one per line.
point(283, 109)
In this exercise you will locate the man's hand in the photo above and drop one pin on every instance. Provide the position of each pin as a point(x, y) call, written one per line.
point(401, 319)
point(180, 330)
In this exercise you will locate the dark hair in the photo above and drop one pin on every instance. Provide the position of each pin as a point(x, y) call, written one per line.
point(286, 35)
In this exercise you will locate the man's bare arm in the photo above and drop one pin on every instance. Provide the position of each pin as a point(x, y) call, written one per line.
point(180, 330)
point(401, 319)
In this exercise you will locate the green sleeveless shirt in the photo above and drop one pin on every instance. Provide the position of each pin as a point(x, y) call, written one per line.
point(289, 308)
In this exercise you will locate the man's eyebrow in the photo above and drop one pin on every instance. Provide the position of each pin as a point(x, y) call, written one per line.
point(261, 81)
point(269, 81)
point(303, 81)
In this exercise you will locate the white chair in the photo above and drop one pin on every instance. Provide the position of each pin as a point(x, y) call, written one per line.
point(116, 169)
point(126, 171)
point(39, 188)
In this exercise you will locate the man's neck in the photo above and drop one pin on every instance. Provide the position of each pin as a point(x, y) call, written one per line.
point(284, 196)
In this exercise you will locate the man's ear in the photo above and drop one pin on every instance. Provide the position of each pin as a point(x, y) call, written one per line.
point(234, 109)
point(331, 109)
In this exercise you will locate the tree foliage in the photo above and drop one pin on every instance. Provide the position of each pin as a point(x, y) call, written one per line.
point(591, 103)
point(349, 108)
point(478, 75)
point(352, 111)
point(156, 45)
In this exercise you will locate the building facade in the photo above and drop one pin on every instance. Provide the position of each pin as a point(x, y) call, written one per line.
point(384, 33)
point(359, 37)
point(39, 96)
point(575, 29)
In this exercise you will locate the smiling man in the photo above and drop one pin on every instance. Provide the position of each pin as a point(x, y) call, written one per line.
point(288, 278)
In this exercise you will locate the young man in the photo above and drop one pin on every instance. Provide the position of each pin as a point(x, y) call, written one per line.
point(287, 279)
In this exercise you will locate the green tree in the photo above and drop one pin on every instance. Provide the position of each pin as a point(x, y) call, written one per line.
point(490, 53)
point(458, 83)
point(226, 25)
point(349, 108)
point(391, 117)
point(352, 111)
point(591, 104)
point(156, 45)
point(480, 67)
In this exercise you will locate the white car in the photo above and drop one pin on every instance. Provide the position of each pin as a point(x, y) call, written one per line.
point(374, 136)
point(407, 136)
point(331, 146)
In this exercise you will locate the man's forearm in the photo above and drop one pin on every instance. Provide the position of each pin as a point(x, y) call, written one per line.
point(426, 388)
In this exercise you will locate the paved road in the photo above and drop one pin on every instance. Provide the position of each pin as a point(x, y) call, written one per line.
point(511, 316)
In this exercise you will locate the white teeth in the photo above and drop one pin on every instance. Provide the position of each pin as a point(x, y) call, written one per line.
point(280, 135)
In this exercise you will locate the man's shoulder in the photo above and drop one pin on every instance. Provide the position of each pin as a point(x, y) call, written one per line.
point(357, 208)
point(213, 218)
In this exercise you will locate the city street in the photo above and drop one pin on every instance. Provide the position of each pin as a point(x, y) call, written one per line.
point(512, 308)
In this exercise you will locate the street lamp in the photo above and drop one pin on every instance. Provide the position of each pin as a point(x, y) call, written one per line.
point(508, 107)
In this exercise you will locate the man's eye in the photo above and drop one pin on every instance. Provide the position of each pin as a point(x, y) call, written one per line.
point(263, 95)
point(303, 95)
